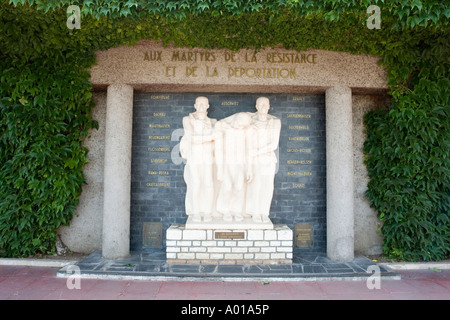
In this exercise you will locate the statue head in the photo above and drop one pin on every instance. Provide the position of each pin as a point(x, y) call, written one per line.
point(201, 105)
point(242, 120)
point(263, 105)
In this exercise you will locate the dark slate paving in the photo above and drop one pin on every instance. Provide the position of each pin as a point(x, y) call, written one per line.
point(152, 263)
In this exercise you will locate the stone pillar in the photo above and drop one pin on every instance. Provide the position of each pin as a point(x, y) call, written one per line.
point(117, 172)
point(339, 144)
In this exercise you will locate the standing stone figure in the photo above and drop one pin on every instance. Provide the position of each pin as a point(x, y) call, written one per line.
point(230, 164)
point(233, 164)
point(197, 148)
point(266, 136)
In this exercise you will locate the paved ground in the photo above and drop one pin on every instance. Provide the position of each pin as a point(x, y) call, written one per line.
point(25, 282)
point(152, 262)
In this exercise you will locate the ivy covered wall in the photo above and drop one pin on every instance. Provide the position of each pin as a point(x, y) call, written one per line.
point(46, 98)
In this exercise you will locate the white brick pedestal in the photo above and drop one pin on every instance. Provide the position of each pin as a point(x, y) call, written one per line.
point(195, 246)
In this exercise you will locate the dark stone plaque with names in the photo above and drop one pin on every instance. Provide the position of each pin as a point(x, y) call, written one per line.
point(152, 235)
point(157, 185)
point(303, 236)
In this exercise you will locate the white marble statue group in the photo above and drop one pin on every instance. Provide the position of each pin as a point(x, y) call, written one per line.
point(230, 164)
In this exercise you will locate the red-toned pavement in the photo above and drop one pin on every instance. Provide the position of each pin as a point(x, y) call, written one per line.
point(41, 283)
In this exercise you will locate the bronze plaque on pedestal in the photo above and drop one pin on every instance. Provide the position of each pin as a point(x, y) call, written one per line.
point(229, 235)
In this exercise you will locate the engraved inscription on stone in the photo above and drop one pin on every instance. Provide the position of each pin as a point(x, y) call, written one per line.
point(303, 235)
point(152, 234)
point(229, 235)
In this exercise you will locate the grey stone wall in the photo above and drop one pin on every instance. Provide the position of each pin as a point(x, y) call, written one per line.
point(367, 240)
point(84, 234)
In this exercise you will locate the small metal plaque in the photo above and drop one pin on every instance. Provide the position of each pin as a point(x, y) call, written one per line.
point(303, 235)
point(152, 234)
point(229, 235)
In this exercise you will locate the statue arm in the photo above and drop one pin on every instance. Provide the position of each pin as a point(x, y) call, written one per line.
point(202, 139)
point(190, 130)
point(250, 143)
point(186, 139)
point(187, 126)
point(275, 131)
point(219, 151)
point(212, 136)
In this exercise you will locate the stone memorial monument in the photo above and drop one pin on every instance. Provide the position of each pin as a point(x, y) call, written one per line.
point(229, 173)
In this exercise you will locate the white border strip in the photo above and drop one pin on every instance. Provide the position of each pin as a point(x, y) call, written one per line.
point(54, 263)
point(445, 265)
point(219, 279)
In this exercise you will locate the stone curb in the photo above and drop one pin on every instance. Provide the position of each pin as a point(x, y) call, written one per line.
point(444, 265)
point(395, 266)
point(226, 278)
point(53, 263)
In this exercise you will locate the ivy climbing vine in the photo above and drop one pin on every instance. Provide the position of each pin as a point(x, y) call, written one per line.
point(46, 98)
